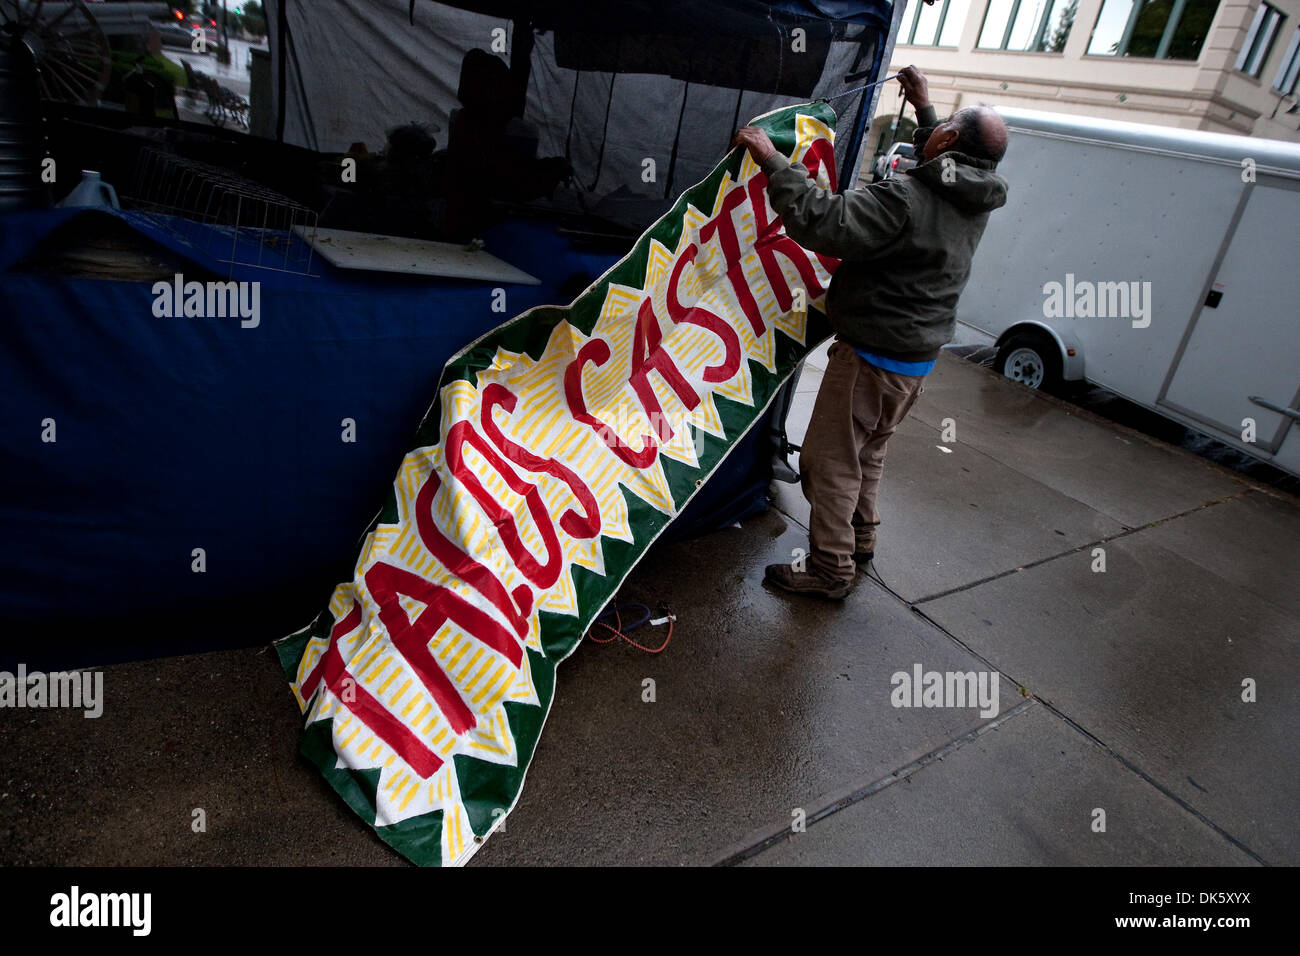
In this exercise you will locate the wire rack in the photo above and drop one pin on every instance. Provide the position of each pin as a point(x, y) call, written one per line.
point(227, 217)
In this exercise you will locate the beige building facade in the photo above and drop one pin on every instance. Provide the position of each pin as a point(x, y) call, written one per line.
point(1227, 66)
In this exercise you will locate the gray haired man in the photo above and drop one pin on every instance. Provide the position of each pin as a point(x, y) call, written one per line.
point(905, 246)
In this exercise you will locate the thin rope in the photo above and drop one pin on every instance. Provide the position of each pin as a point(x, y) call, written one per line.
point(827, 99)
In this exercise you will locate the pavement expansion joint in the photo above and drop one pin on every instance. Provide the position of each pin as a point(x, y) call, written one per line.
point(791, 518)
point(1151, 781)
point(858, 794)
point(1060, 554)
point(765, 840)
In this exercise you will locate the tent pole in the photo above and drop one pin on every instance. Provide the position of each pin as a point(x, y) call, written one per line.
point(735, 117)
point(883, 54)
point(282, 76)
point(604, 136)
point(521, 56)
point(677, 139)
point(302, 92)
point(681, 115)
point(740, 96)
point(865, 105)
point(573, 103)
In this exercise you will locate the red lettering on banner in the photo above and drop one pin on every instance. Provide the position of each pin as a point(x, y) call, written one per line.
point(648, 354)
point(771, 241)
point(465, 567)
point(724, 227)
point(585, 525)
point(820, 152)
point(597, 351)
point(541, 574)
point(365, 706)
point(386, 582)
point(705, 320)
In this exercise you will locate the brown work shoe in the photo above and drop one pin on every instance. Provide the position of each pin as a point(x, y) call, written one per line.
point(812, 583)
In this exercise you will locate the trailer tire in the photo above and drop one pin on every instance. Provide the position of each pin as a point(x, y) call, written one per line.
point(1032, 359)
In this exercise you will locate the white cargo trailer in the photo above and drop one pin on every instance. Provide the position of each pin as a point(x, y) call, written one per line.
point(1162, 264)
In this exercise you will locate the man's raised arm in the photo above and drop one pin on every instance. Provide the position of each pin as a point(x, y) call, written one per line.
point(855, 225)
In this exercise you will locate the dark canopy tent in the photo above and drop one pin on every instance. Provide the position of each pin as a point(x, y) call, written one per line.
point(177, 435)
point(607, 85)
point(612, 87)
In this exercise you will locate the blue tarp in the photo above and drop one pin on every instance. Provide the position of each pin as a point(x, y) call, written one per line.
point(180, 433)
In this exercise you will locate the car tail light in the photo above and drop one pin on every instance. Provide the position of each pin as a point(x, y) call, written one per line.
point(893, 163)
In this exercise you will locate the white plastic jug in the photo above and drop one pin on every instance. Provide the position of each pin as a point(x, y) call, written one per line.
point(91, 191)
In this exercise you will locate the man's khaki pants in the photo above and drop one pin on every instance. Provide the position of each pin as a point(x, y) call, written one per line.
point(858, 407)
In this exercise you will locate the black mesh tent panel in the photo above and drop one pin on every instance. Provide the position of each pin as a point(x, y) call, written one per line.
point(647, 121)
point(355, 68)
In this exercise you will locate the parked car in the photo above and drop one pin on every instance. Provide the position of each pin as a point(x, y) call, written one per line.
point(900, 158)
point(174, 35)
point(181, 36)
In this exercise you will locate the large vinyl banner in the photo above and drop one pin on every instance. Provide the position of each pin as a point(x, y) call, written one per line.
point(560, 445)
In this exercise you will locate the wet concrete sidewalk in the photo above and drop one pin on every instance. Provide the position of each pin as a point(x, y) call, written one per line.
point(1120, 735)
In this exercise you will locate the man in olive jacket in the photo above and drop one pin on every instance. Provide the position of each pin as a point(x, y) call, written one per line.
point(906, 245)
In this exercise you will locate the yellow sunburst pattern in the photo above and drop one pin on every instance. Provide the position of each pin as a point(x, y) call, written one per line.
point(432, 649)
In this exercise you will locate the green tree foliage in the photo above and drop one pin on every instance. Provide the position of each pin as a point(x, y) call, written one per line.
point(1056, 42)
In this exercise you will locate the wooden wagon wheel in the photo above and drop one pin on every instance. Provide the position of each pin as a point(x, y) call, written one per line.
point(71, 50)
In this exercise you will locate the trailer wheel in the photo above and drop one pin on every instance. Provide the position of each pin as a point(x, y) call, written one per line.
point(1032, 359)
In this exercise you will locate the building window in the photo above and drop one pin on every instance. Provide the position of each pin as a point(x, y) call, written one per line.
point(1027, 25)
point(1159, 29)
point(937, 25)
point(1259, 41)
point(1289, 71)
